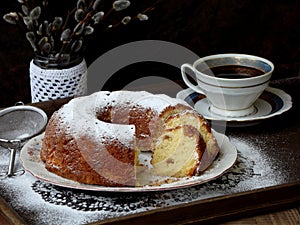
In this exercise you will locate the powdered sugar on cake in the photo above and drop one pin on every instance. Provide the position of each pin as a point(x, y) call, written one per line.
point(80, 114)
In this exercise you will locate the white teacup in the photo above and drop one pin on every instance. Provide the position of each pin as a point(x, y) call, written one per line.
point(231, 82)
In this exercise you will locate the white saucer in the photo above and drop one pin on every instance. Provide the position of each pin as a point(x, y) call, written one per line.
point(271, 103)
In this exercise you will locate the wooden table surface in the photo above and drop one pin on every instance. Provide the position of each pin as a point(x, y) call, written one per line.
point(266, 193)
point(284, 217)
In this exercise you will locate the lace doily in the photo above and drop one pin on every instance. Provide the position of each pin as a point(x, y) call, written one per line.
point(126, 202)
point(50, 84)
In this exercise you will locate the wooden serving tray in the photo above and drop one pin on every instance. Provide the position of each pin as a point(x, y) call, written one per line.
point(265, 177)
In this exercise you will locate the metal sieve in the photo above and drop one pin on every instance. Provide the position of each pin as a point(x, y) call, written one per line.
point(17, 125)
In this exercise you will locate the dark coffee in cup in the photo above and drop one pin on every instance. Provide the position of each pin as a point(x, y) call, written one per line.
point(233, 72)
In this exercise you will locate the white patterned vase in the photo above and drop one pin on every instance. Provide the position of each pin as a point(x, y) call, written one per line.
point(55, 83)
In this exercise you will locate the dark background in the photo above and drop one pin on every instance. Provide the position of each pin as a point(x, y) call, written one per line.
point(265, 28)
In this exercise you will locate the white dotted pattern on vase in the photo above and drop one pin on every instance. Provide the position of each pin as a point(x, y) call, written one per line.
point(50, 84)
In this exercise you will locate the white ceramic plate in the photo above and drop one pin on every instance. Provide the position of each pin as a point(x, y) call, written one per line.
point(272, 102)
point(30, 158)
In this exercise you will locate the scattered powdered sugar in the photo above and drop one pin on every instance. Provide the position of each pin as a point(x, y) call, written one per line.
point(25, 198)
point(262, 165)
point(43, 203)
point(37, 210)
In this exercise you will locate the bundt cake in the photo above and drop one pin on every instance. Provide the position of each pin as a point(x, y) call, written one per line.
point(97, 139)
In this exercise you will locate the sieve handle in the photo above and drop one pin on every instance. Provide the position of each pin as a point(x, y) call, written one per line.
point(11, 165)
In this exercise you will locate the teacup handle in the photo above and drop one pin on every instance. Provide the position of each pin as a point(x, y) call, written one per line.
point(186, 80)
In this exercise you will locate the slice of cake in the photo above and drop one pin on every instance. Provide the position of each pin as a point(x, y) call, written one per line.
point(196, 120)
point(177, 152)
